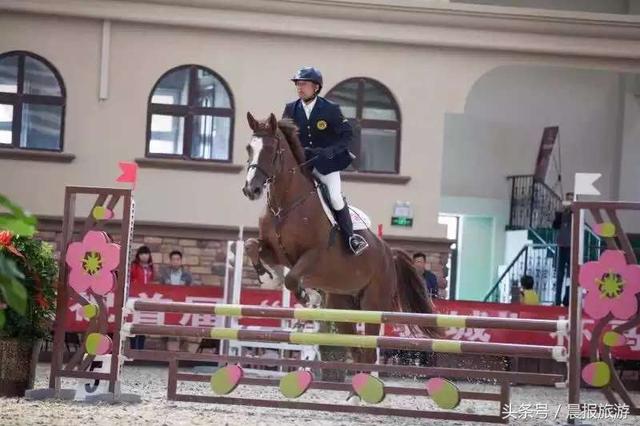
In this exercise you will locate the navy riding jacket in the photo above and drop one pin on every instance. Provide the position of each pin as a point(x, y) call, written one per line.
point(327, 129)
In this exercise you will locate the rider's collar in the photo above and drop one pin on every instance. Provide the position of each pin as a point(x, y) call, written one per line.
point(309, 100)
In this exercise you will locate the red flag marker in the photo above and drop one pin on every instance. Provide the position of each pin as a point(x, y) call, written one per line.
point(129, 173)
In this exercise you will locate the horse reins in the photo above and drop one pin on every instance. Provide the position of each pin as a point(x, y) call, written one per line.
point(281, 214)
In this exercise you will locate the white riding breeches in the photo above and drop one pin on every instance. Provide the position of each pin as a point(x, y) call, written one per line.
point(334, 185)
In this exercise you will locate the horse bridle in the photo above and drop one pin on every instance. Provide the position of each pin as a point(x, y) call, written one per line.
point(280, 213)
point(277, 157)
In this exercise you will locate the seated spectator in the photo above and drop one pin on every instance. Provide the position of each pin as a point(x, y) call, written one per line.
point(430, 279)
point(175, 274)
point(142, 267)
point(528, 295)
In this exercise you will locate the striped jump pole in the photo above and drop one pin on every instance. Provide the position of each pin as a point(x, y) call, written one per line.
point(353, 316)
point(558, 353)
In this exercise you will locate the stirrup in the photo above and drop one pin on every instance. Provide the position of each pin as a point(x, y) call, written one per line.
point(357, 244)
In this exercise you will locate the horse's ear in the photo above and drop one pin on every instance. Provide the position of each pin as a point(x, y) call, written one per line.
point(273, 123)
point(252, 121)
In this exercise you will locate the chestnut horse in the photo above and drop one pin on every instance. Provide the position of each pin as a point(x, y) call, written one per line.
point(294, 232)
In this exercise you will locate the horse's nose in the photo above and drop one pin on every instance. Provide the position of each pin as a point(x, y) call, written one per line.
point(251, 192)
point(248, 191)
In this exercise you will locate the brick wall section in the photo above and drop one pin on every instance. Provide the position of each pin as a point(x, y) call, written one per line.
point(205, 258)
point(437, 252)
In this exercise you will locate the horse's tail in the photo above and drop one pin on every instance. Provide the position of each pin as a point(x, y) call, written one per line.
point(411, 291)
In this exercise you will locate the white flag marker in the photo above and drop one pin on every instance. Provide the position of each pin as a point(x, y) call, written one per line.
point(584, 184)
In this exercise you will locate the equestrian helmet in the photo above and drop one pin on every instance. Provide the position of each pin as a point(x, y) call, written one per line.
point(309, 74)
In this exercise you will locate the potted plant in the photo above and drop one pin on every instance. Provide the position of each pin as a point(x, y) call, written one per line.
point(28, 272)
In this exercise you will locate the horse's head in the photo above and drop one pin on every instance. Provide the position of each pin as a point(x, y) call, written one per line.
point(265, 154)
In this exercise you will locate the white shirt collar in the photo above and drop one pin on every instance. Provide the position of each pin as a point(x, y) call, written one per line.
point(309, 107)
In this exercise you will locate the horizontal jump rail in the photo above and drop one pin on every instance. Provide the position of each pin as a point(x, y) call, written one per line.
point(454, 373)
point(320, 385)
point(558, 353)
point(353, 316)
point(339, 408)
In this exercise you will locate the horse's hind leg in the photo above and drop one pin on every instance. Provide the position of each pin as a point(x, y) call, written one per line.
point(376, 297)
point(336, 301)
point(358, 355)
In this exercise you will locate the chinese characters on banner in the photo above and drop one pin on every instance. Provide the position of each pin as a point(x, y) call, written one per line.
point(76, 322)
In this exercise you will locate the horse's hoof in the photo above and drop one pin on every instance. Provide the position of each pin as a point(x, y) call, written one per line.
point(314, 299)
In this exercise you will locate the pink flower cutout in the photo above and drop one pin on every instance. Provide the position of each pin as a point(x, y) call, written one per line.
point(92, 262)
point(611, 286)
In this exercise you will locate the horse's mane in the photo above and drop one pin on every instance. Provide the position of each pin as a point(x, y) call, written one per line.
point(290, 131)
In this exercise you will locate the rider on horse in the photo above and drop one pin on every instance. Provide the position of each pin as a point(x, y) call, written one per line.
point(325, 135)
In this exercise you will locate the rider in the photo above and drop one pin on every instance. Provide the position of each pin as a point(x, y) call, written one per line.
point(325, 135)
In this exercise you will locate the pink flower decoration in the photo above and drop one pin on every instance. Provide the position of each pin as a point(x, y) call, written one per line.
point(92, 262)
point(611, 286)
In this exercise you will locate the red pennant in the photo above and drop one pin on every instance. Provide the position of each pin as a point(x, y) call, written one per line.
point(129, 172)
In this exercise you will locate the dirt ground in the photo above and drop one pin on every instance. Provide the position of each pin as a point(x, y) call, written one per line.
point(150, 383)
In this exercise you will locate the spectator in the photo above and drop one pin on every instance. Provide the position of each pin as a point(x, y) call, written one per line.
point(430, 279)
point(442, 287)
point(528, 295)
point(562, 223)
point(141, 273)
point(175, 274)
point(142, 267)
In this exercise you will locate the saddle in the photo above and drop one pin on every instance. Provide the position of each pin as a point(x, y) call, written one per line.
point(359, 218)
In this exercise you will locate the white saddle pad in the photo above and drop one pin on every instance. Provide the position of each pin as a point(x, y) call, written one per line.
point(360, 220)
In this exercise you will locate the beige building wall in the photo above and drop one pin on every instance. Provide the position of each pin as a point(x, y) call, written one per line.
point(428, 63)
point(257, 69)
point(505, 114)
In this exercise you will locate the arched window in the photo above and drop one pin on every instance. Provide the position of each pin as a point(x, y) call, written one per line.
point(32, 103)
point(375, 117)
point(190, 116)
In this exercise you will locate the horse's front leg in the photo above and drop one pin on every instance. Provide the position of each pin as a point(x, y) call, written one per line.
point(305, 266)
point(263, 260)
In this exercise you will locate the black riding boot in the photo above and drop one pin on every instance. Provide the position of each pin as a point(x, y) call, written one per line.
point(356, 243)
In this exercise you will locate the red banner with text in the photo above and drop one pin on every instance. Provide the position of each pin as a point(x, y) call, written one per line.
point(75, 321)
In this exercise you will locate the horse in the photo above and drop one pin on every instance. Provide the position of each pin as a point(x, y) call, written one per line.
point(294, 232)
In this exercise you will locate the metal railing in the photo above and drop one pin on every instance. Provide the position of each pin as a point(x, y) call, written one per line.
point(533, 203)
point(533, 207)
point(537, 260)
point(593, 245)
